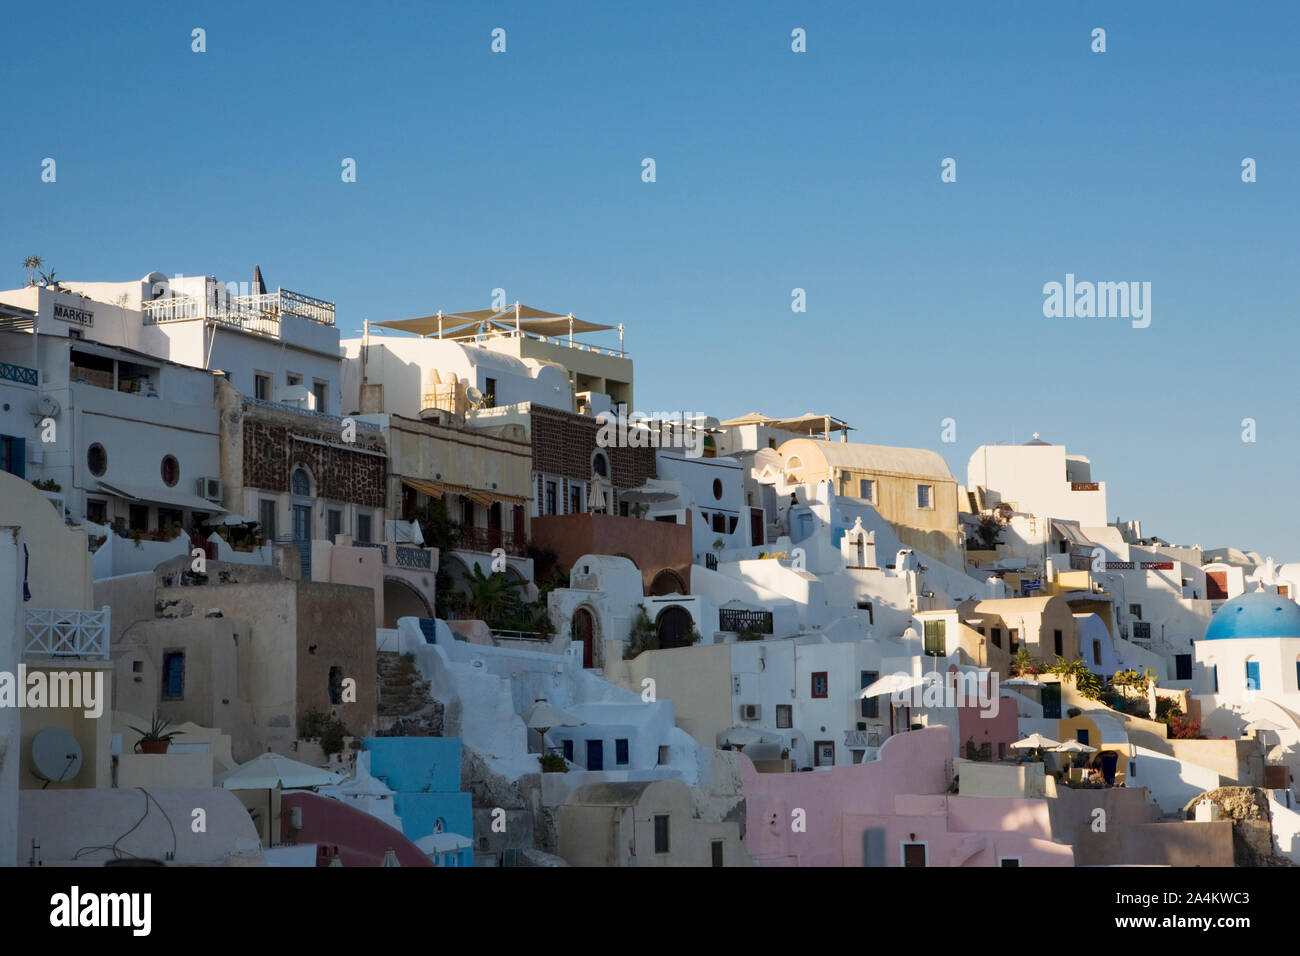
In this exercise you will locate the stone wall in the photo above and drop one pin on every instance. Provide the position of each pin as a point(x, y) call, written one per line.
point(563, 444)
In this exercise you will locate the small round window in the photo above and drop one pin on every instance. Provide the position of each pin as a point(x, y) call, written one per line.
point(97, 459)
point(171, 471)
point(717, 488)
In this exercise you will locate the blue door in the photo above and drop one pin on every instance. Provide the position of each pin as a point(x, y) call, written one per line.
point(1252, 675)
point(595, 755)
point(1081, 735)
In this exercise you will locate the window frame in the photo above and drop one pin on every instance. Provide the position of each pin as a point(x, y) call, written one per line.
point(826, 685)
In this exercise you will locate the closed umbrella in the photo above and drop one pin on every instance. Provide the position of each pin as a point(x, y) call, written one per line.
point(390, 858)
point(597, 500)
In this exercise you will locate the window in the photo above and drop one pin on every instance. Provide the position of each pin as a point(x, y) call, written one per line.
point(171, 471)
point(363, 527)
point(720, 524)
point(716, 851)
point(771, 443)
point(620, 752)
point(1252, 675)
point(784, 716)
point(173, 675)
point(262, 386)
point(1058, 642)
point(1182, 667)
point(97, 511)
point(489, 392)
point(717, 488)
point(1013, 635)
point(661, 833)
point(1142, 630)
point(1214, 672)
point(867, 489)
point(924, 496)
point(665, 756)
point(550, 498)
point(870, 708)
point(321, 391)
point(138, 517)
point(996, 637)
point(266, 517)
point(599, 466)
point(1096, 652)
point(575, 499)
point(334, 523)
point(1297, 676)
point(292, 378)
point(170, 516)
point(568, 749)
point(820, 685)
point(97, 459)
point(13, 455)
point(936, 638)
point(915, 854)
point(466, 511)
point(300, 483)
point(1081, 735)
point(336, 685)
point(1135, 610)
point(871, 613)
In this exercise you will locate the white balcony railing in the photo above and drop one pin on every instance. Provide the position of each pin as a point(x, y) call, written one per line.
point(62, 633)
point(259, 314)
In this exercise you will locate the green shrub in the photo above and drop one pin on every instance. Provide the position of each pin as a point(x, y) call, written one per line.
point(554, 763)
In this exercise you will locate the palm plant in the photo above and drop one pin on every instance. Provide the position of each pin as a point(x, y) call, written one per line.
point(491, 597)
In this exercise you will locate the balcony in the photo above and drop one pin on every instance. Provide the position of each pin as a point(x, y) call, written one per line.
point(258, 314)
point(489, 539)
point(403, 557)
point(18, 373)
point(67, 633)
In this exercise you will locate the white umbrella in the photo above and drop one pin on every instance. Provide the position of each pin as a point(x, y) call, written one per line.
point(1019, 682)
point(1034, 741)
point(436, 844)
point(743, 737)
point(390, 858)
point(1074, 747)
point(653, 491)
point(542, 717)
point(1264, 725)
point(892, 683)
point(269, 771)
point(597, 499)
point(231, 519)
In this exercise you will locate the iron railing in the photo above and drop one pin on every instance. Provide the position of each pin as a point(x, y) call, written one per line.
point(489, 539)
point(18, 373)
point(251, 313)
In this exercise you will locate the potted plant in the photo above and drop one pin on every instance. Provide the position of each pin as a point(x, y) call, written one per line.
point(157, 738)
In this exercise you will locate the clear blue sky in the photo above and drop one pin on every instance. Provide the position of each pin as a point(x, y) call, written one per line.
point(775, 170)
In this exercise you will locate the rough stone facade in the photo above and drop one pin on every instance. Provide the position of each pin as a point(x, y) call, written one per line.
point(1252, 824)
point(276, 441)
point(563, 444)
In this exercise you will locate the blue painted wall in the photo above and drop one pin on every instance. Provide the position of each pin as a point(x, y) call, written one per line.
point(425, 774)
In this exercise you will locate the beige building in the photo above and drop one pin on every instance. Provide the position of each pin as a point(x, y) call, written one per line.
point(911, 488)
point(1045, 626)
point(650, 823)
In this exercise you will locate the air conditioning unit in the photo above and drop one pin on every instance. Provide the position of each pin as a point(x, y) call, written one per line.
point(209, 488)
point(750, 711)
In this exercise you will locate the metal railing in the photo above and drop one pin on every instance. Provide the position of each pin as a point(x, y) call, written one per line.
point(412, 558)
point(18, 373)
point(67, 633)
point(251, 313)
point(489, 539)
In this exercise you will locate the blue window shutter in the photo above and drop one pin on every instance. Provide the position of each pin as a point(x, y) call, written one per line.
point(18, 456)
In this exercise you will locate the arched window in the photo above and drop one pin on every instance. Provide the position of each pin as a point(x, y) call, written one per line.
point(300, 483)
point(599, 466)
point(1252, 674)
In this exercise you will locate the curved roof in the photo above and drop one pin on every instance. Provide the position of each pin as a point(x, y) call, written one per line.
point(879, 458)
point(1255, 614)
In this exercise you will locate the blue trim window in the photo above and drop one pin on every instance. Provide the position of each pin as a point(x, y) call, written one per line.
point(173, 683)
point(1252, 675)
point(620, 752)
point(13, 455)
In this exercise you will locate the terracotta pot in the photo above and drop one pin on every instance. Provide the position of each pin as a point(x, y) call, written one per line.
point(152, 746)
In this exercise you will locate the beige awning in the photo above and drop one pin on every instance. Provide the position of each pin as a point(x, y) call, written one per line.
point(437, 489)
point(528, 319)
point(162, 496)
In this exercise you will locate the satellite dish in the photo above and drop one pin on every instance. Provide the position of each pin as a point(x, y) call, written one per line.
point(56, 755)
point(49, 407)
point(474, 396)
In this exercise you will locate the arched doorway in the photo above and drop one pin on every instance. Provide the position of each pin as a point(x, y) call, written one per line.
point(667, 581)
point(300, 513)
point(583, 629)
point(674, 626)
point(403, 599)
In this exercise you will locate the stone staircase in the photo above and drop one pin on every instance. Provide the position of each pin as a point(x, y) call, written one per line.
point(405, 707)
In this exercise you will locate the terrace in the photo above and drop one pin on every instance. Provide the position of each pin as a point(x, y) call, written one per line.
point(257, 314)
point(59, 633)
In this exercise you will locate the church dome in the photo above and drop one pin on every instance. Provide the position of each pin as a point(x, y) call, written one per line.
point(1255, 614)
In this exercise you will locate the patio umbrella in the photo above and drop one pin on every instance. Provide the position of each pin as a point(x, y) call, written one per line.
point(1019, 682)
point(1074, 747)
point(652, 492)
point(270, 770)
point(597, 499)
point(890, 684)
point(541, 717)
point(1036, 741)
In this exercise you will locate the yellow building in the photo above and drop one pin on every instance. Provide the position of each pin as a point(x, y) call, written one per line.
point(1044, 626)
point(911, 488)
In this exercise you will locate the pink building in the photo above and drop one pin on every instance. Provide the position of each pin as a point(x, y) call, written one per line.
point(893, 811)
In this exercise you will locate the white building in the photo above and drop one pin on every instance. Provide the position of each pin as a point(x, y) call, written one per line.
point(1038, 478)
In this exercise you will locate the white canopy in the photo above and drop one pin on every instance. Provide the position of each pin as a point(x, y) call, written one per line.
point(542, 716)
point(438, 843)
point(1036, 740)
point(269, 771)
point(1074, 747)
point(891, 684)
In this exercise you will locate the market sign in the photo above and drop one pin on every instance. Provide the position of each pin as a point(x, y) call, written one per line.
point(66, 313)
